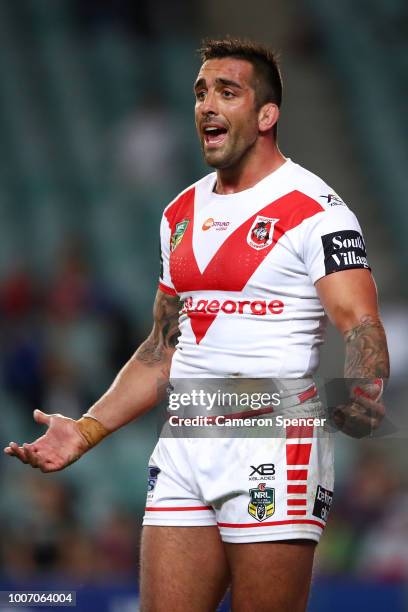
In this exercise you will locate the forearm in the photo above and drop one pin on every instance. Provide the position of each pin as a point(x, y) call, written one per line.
point(141, 383)
point(366, 350)
point(367, 363)
point(137, 388)
point(350, 299)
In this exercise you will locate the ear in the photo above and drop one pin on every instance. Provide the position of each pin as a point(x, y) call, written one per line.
point(268, 115)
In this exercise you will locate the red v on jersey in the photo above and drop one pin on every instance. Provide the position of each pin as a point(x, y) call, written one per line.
point(236, 260)
point(200, 323)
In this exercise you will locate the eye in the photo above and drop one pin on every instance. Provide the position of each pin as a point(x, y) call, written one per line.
point(227, 93)
point(200, 95)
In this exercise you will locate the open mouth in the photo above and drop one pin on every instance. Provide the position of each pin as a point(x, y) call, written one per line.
point(214, 135)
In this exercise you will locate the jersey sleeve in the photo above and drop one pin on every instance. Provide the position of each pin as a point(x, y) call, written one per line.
point(332, 242)
point(165, 283)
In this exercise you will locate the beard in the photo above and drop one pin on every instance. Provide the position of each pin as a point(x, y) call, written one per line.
point(232, 153)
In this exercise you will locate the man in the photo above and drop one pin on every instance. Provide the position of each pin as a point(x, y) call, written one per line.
point(258, 252)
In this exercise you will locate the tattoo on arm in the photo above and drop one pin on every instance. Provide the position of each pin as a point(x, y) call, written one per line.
point(160, 344)
point(366, 350)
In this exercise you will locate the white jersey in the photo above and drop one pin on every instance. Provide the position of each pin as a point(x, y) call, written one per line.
point(245, 266)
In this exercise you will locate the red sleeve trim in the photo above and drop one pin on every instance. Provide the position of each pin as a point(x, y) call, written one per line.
point(167, 290)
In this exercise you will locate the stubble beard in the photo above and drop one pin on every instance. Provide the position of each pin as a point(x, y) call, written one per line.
point(228, 159)
point(217, 161)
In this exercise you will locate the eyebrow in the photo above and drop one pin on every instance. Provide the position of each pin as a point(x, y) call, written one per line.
point(218, 81)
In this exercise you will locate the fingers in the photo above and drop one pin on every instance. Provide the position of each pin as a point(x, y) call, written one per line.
point(36, 454)
point(26, 453)
point(359, 419)
point(41, 417)
point(14, 450)
point(31, 455)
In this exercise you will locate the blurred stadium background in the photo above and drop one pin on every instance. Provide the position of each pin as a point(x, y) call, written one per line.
point(97, 133)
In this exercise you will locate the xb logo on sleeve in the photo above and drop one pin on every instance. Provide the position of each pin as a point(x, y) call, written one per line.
point(262, 502)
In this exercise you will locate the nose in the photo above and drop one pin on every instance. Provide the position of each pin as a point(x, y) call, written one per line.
point(208, 106)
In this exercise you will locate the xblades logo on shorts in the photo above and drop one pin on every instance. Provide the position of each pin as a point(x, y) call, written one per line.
point(265, 471)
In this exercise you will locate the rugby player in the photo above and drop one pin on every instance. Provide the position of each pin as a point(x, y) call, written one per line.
point(254, 256)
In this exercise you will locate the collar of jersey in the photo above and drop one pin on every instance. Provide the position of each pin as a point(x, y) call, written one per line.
point(273, 176)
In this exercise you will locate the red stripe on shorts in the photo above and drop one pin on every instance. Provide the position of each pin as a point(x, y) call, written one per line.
point(298, 454)
point(176, 508)
point(296, 512)
point(299, 431)
point(297, 474)
point(270, 523)
point(296, 502)
point(297, 489)
point(308, 394)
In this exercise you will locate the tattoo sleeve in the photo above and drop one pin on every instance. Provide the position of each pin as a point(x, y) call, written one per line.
point(366, 350)
point(160, 345)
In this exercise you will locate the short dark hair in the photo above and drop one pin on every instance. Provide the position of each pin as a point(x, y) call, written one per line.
point(269, 81)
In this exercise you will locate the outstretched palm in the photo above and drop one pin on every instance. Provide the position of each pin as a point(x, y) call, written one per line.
point(61, 445)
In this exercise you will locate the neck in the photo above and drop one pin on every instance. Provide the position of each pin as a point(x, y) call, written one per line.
point(252, 169)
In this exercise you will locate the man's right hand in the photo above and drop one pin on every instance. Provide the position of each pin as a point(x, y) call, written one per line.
point(61, 445)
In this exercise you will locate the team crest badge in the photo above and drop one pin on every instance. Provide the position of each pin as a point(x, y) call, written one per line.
point(261, 233)
point(178, 234)
point(262, 502)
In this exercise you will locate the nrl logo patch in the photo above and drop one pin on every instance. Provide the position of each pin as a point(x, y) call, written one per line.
point(262, 502)
point(178, 234)
point(261, 233)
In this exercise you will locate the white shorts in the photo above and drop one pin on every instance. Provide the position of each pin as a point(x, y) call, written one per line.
point(253, 489)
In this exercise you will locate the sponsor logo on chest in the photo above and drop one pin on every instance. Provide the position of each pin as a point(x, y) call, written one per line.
point(252, 307)
point(211, 224)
